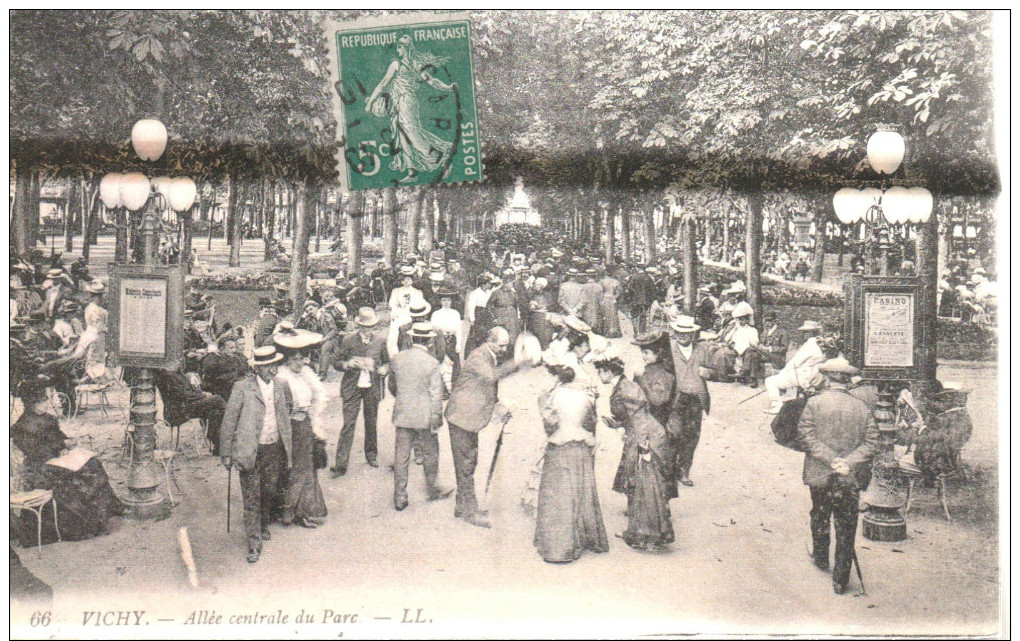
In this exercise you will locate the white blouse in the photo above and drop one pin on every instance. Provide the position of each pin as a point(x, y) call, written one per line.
point(309, 395)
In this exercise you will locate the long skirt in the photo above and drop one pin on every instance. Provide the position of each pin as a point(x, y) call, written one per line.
point(304, 495)
point(610, 318)
point(85, 505)
point(649, 520)
point(627, 471)
point(569, 518)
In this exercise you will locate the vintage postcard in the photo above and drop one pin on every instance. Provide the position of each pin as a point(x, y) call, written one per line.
point(709, 341)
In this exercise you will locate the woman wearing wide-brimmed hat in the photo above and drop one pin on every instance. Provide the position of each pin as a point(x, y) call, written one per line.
point(303, 501)
point(645, 472)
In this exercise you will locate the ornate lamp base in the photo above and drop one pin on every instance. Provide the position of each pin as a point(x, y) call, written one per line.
point(884, 525)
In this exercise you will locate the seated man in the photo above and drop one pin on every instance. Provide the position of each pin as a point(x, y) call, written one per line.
point(801, 369)
point(773, 342)
point(224, 367)
point(182, 402)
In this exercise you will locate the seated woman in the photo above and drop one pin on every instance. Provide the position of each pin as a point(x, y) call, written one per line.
point(645, 461)
point(569, 519)
point(85, 501)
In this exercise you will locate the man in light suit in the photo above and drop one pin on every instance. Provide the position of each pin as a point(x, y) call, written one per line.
point(840, 438)
point(690, 366)
point(417, 387)
point(472, 401)
point(256, 435)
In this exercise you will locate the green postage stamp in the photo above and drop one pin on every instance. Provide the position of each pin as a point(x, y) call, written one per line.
point(404, 95)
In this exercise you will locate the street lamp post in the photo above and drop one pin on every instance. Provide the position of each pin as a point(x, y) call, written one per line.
point(133, 192)
point(884, 212)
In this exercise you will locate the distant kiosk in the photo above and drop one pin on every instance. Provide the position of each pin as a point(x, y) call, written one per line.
point(518, 210)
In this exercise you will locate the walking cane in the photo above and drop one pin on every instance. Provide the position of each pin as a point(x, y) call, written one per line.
point(495, 454)
point(860, 577)
point(230, 471)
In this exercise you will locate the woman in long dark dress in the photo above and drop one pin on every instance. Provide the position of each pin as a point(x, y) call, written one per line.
point(645, 460)
point(85, 500)
point(505, 307)
point(656, 381)
point(304, 504)
point(538, 318)
point(569, 519)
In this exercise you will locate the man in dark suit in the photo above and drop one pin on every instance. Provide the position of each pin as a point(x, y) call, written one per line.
point(638, 296)
point(221, 369)
point(183, 401)
point(470, 408)
point(256, 435)
point(840, 438)
point(363, 359)
point(690, 367)
point(417, 385)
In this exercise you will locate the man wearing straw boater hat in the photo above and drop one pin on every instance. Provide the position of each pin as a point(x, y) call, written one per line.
point(417, 387)
point(363, 359)
point(691, 400)
point(840, 438)
point(801, 369)
point(256, 436)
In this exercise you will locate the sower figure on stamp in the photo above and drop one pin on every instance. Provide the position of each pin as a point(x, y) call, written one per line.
point(417, 385)
point(840, 438)
point(256, 435)
point(690, 367)
point(472, 402)
point(362, 357)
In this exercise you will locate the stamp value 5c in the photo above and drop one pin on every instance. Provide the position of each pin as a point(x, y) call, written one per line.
point(404, 95)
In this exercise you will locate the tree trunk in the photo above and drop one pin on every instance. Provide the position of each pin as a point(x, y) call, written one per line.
point(186, 231)
point(211, 210)
point(625, 234)
point(927, 269)
point(428, 224)
point(24, 241)
point(610, 227)
point(726, 238)
point(318, 226)
point(291, 212)
point(945, 234)
point(783, 231)
point(120, 251)
point(818, 267)
point(71, 201)
point(299, 253)
point(752, 259)
point(33, 204)
point(649, 225)
point(269, 209)
point(389, 203)
point(355, 232)
point(236, 219)
point(414, 219)
point(690, 265)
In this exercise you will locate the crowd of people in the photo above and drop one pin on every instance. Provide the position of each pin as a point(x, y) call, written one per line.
point(457, 325)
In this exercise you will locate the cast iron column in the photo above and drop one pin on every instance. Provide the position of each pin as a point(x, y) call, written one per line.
point(144, 500)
